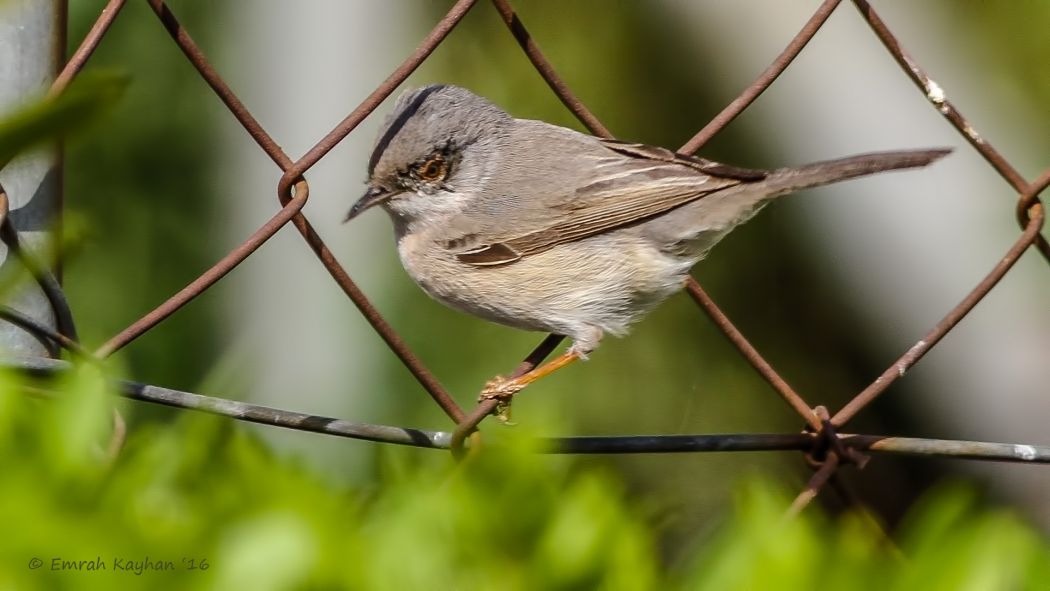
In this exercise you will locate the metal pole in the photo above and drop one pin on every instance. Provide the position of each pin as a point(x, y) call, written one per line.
point(32, 47)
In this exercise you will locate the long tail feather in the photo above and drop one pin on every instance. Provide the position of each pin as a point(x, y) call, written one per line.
point(788, 180)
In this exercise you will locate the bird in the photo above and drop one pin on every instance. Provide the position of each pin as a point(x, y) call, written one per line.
point(543, 228)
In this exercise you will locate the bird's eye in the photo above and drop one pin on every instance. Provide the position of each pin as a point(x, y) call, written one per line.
point(433, 169)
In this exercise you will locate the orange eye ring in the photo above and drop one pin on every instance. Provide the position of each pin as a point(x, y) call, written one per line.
point(434, 169)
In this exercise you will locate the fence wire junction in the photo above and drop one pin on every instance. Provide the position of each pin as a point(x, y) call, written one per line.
point(823, 441)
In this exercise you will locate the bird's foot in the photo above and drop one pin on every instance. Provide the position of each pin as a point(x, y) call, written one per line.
point(502, 390)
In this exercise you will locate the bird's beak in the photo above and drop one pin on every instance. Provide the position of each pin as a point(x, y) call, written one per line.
point(373, 196)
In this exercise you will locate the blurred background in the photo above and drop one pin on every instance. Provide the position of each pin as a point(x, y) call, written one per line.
point(831, 285)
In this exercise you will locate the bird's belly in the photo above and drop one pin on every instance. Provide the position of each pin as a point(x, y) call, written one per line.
point(571, 289)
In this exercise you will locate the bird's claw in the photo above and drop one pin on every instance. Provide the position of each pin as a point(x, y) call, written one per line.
point(502, 390)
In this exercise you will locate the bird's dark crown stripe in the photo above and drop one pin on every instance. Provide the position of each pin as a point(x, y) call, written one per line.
point(398, 123)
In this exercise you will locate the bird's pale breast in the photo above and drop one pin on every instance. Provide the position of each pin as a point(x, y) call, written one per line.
point(605, 282)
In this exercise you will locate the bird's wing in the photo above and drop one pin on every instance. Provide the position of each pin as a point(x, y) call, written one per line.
point(632, 184)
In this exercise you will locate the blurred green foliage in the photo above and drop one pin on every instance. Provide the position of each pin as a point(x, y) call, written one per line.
point(80, 104)
point(203, 504)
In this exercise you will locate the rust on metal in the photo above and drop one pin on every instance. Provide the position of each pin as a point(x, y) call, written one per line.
point(764, 80)
point(87, 47)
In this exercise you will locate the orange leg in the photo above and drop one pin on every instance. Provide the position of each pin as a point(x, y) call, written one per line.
point(502, 389)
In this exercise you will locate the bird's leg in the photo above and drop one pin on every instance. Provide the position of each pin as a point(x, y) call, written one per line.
point(502, 389)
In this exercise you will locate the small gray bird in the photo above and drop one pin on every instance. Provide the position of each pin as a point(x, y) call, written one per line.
point(543, 228)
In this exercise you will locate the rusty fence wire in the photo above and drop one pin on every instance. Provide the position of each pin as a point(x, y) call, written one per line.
point(823, 441)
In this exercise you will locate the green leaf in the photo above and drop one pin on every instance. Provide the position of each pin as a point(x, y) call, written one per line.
point(201, 502)
point(86, 99)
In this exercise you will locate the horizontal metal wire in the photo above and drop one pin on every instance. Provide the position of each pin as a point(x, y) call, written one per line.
point(630, 444)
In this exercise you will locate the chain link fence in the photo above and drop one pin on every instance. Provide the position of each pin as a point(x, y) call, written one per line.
point(824, 442)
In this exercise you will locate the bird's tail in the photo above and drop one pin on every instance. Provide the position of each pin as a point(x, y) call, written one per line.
point(788, 180)
point(696, 227)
